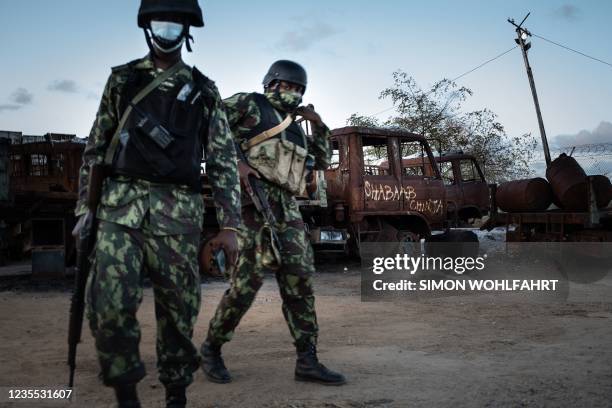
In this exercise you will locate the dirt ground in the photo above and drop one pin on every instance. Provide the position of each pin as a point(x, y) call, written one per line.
point(454, 351)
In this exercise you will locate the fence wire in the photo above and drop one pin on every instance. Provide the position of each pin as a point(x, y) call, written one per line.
point(594, 158)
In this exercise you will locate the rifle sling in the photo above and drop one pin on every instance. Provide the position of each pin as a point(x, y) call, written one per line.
point(267, 134)
point(114, 143)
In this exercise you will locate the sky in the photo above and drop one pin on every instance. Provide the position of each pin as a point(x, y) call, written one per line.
point(57, 56)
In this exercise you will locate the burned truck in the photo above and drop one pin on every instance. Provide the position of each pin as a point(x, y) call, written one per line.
point(467, 192)
point(39, 184)
point(370, 195)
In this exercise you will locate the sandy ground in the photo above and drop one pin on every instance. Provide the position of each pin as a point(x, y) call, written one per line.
point(453, 351)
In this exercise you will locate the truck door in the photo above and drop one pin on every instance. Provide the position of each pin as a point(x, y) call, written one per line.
point(450, 177)
point(422, 190)
point(474, 187)
point(381, 185)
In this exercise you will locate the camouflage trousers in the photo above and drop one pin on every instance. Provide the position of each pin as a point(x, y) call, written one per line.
point(122, 259)
point(294, 277)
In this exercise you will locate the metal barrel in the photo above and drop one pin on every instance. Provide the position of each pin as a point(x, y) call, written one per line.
point(569, 183)
point(532, 194)
point(603, 190)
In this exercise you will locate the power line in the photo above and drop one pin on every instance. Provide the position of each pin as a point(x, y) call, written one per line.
point(572, 50)
point(506, 52)
point(484, 63)
point(460, 76)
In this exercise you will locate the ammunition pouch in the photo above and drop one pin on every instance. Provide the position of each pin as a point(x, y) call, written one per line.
point(276, 149)
point(280, 162)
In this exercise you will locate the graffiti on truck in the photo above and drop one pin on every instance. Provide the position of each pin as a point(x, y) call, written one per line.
point(386, 192)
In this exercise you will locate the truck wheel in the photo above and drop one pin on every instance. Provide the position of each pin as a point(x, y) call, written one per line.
point(410, 242)
point(453, 244)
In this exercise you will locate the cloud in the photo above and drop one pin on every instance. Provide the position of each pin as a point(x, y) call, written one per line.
point(601, 134)
point(7, 107)
point(568, 12)
point(306, 36)
point(21, 96)
point(64, 85)
point(93, 95)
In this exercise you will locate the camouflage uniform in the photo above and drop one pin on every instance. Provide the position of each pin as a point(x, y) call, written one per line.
point(294, 277)
point(151, 229)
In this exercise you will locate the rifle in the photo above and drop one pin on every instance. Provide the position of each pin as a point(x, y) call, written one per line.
point(262, 206)
point(85, 245)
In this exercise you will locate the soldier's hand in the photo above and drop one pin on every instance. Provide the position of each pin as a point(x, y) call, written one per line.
point(244, 171)
point(228, 241)
point(308, 113)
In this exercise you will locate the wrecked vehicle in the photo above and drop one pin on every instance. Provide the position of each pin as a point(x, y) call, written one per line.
point(467, 192)
point(38, 193)
point(370, 195)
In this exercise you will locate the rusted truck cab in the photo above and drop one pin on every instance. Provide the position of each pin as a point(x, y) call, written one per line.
point(467, 192)
point(371, 195)
point(466, 188)
point(38, 193)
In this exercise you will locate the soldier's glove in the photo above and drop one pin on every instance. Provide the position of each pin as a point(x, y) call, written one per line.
point(227, 240)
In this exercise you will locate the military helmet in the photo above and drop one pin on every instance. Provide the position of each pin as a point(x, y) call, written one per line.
point(285, 70)
point(190, 8)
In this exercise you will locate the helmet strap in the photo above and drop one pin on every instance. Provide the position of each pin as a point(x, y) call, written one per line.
point(185, 37)
point(188, 39)
point(148, 38)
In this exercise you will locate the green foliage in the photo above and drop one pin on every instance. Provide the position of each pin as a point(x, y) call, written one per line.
point(436, 114)
point(359, 120)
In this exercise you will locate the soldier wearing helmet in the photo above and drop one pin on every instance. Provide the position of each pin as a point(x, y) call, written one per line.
point(156, 118)
point(277, 152)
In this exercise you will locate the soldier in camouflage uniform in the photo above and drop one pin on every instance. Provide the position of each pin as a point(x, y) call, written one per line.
point(151, 208)
point(249, 115)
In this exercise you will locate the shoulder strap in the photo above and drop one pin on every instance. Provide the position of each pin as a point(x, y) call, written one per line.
point(206, 85)
point(112, 148)
point(267, 134)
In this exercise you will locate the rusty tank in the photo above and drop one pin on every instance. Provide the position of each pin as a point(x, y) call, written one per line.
point(534, 194)
point(569, 183)
point(603, 190)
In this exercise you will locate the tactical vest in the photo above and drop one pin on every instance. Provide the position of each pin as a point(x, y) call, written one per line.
point(174, 117)
point(282, 158)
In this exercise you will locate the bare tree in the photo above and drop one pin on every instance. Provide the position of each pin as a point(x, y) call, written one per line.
point(436, 114)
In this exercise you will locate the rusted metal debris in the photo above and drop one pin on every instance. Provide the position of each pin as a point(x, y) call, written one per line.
point(39, 188)
point(581, 212)
point(532, 194)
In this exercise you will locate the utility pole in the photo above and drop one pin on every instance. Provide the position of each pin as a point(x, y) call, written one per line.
point(522, 35)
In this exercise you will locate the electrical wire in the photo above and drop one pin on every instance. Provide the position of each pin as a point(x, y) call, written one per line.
point(460, 76)
point(572, 50)
point(506, 52)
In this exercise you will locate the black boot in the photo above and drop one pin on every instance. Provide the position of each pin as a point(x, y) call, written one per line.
point(127, 397)
point(308, 368)
point(176, 396)
point(213, 365)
